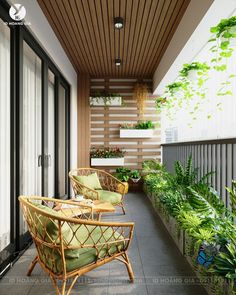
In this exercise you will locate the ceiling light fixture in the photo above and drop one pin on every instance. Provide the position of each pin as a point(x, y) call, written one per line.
point(119, 22)
point(117, 62)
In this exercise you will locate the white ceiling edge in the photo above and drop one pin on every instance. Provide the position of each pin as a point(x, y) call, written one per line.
point(218, 10)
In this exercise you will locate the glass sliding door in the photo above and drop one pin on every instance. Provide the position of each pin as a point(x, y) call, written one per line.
point(31, 159)
point(61, 142)
point(5, 215)
point(49, 130)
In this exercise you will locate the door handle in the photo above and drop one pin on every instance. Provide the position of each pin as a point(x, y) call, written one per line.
point(40, 161)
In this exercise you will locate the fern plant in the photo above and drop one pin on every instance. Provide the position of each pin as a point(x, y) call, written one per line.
point(232, 196)
point(185, 176)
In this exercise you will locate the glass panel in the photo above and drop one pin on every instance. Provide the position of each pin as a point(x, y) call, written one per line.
point(61, 141)
point(4, 136)
point(50, 138)
point(31, 122)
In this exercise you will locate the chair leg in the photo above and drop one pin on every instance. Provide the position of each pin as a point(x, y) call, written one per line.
point(123, 208)
point(32, 265)
point(129, 268)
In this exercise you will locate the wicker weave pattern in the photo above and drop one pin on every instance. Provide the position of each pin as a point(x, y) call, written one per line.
point(108, 182)
point(47, 230)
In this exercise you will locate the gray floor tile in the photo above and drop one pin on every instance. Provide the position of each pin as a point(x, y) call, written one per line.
point(153, 255)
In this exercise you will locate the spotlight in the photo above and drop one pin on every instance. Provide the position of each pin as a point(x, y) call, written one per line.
point(117, 62)
point(119, 22)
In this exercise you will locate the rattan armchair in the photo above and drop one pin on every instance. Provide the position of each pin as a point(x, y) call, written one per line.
point(68, 247)
point(107, 181)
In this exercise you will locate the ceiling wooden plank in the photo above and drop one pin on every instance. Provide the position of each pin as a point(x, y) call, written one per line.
point(81, 37)
point(131, 35)
point(86, 31)
point(169, 17)
point(66, 28)
point(77, 34)
point(141, 22)
point(60, 35)
point(106, 23)
point(164, 44)
point(151, 36)
point(145, 35)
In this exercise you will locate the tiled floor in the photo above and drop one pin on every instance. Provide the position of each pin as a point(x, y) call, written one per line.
point(158, 266)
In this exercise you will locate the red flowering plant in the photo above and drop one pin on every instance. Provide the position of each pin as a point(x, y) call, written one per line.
point(107, 152)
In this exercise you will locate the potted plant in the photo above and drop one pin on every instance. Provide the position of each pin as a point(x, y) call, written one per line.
point(107, 156)
point(194, 70)
point(175, 88)
point(141, 95)
point(135, 176)
point(105, 98)
point(142, 129)
point(123, 174)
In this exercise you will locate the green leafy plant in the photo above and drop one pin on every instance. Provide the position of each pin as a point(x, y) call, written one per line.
point(174, 87)
point(134, 174)
point(185, 175)
point(203, 235)
point(122, 173)
point(107, 152)
point(225, 263)
point(200, 68)
point(141, 125)
point(152, 166)
point(205, 200)
point(232, 195)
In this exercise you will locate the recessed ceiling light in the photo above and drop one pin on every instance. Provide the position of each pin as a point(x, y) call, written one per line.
point(118, 62)
point(119, 22)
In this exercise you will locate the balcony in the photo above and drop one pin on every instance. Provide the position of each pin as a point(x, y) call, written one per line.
point(138, 92)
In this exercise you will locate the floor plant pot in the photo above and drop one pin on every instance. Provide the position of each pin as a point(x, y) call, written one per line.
point(136, 133)
point(107, 161)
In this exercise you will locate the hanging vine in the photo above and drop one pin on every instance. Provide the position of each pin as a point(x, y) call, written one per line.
point(141, 94)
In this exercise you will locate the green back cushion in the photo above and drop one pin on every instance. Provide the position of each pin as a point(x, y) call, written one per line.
point(47, 228)
point(91, 181)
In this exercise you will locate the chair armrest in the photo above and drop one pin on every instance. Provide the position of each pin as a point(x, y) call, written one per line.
point(112, 234)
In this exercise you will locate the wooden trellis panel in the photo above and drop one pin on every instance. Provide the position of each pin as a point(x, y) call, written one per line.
point(105, 122)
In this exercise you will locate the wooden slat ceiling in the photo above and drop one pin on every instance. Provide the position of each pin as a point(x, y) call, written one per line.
point(86, 30)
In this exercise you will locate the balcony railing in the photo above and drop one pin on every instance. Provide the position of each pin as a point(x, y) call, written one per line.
point(218, 156)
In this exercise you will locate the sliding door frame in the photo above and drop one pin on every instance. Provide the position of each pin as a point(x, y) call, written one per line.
point(19, 34)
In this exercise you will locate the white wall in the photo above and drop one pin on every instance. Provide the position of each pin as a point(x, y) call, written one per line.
point(211, 121)
point(42, 31)
point(190, 20)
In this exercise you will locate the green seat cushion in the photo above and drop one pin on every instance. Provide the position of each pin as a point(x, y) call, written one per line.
point(112, 197)
point(87, 236)
point(91, 181)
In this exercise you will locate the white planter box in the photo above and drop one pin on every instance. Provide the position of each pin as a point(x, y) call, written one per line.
point(99, 101)
point(107, 161)
point(136, 133)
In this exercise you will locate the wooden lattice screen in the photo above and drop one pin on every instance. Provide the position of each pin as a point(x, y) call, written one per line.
point(105, 122)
